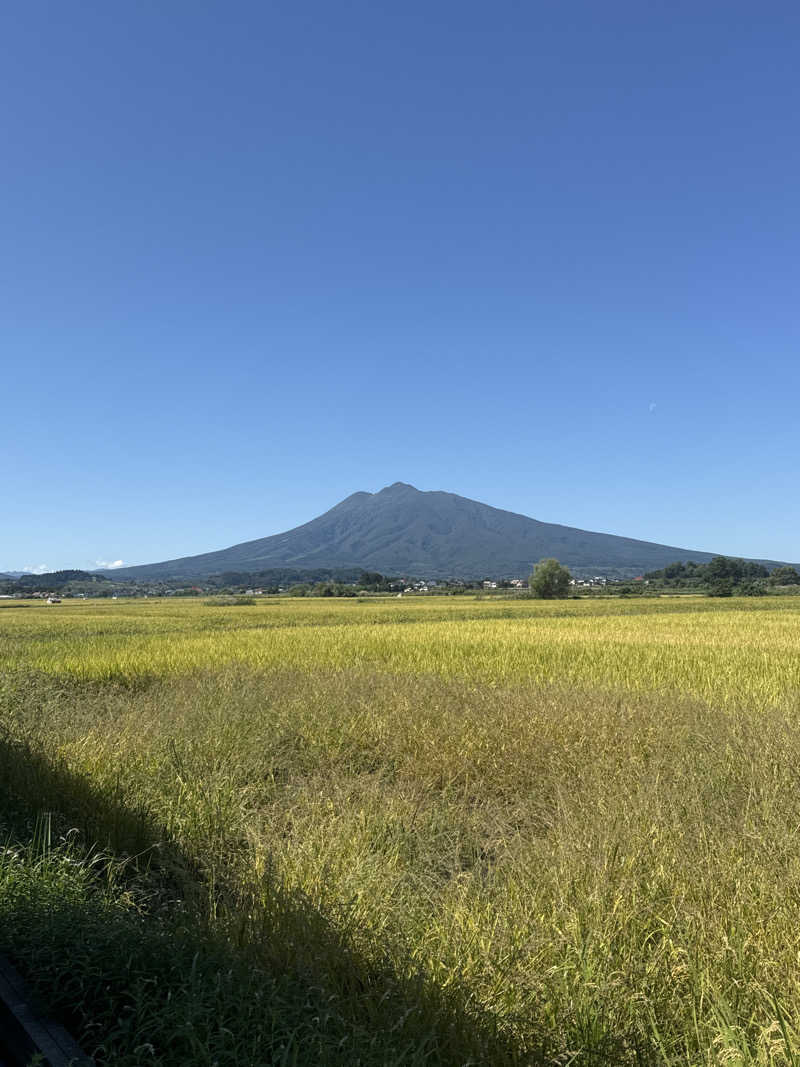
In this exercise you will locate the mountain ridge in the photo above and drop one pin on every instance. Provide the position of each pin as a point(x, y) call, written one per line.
point(402, 530)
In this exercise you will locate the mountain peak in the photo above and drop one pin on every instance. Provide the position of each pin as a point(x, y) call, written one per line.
point(403, 530)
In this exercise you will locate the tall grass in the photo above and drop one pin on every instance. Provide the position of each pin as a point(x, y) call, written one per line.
point(565, 835)
point(739, 654)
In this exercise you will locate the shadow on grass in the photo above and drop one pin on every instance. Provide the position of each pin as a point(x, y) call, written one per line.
point(124, 943)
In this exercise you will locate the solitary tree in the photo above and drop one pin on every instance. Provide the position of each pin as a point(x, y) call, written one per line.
point(549, 581)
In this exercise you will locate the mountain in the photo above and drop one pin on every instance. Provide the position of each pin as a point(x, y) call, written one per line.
point(403, 531)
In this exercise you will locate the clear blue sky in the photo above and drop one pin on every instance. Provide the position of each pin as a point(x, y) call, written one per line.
point(256, 257)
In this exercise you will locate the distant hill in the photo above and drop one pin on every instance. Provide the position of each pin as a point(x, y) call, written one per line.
point(403, 531)
point(58, 579)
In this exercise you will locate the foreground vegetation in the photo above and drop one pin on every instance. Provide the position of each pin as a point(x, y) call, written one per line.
point(386, 832)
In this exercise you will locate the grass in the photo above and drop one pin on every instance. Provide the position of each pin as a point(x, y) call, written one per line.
point(746, 651)
point(407, 833)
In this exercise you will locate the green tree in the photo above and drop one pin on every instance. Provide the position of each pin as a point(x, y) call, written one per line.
point(751, 589)
point(719, 569)
point(784, 576)
point(549, 580)
point(720, 587)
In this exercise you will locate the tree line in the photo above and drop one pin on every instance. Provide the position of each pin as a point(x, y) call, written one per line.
point(723, 576)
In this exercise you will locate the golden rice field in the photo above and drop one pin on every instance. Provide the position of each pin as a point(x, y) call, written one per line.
point(744, 650)
point(417, 831)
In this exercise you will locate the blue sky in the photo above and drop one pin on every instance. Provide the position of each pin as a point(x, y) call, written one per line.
point(256, 257)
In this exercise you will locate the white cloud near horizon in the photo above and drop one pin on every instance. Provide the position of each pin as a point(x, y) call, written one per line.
point(41, 569)
point(106, 565)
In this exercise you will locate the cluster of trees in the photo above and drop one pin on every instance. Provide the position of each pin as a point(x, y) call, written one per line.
point(720, 567)
point(280, 578)
point(351, 585)
point(784, 576)
point(366, 582)
point(722, 576)
point(66, 581)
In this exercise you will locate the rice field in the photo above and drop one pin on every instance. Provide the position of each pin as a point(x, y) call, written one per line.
point(431, 831)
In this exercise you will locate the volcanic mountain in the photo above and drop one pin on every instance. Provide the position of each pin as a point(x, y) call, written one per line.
point(402, 531)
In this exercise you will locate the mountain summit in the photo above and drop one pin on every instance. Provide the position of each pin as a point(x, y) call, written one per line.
point(401, 530)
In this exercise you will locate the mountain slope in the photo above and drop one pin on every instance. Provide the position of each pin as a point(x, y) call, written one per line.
point(401, 530)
